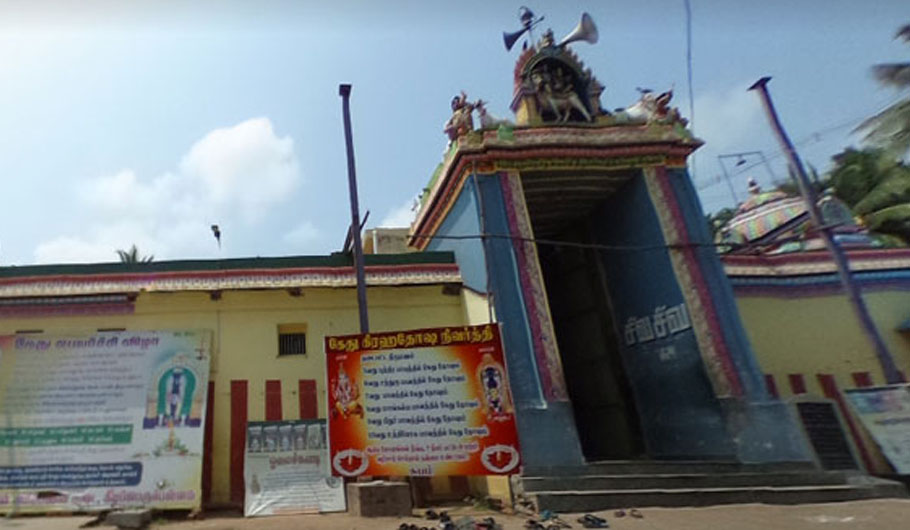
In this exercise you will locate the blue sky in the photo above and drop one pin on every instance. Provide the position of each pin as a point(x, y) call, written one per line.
point(146, 122)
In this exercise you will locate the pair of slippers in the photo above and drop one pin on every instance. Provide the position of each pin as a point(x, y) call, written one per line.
point(593, 521)
point(442, 516)
point(488, 523)
point(632, 513)
point(557, 524)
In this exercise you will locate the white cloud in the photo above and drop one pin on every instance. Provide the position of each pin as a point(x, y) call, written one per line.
point(245, 166)
point(728, 121)
point(304, 234)
point(67, 249)
point(245, 169)
point(399, 217)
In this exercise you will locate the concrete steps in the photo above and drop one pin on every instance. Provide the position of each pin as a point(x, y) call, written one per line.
point(681, 481)
point(640, 467)
point(610, 485)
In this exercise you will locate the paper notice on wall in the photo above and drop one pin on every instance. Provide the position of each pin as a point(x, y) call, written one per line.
point(885, 413)
point(286, 469)
point(101, 421)
point(421, 403)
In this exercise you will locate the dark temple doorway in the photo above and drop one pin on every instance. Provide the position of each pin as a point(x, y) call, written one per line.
point(605, 415)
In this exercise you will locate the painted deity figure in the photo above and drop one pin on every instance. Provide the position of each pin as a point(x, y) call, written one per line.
point(556, 93)
point(345, 396)
point(461, 121)
point(491, 375)
point(176, 389)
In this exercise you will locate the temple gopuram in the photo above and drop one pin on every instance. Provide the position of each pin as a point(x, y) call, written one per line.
point(624, 345)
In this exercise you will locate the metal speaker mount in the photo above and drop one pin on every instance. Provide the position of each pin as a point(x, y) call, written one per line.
point(585, 30)
point(527, 21)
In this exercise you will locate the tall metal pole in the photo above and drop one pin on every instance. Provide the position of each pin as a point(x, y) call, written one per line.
point(345, 92)
point(892, 375)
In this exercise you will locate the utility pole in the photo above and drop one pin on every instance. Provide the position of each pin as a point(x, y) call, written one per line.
point(345, 92)
point(892, 375)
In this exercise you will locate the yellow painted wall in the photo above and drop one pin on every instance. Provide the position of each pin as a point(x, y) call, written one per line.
point(476, 308)
point(245, 328)
point(821, 335)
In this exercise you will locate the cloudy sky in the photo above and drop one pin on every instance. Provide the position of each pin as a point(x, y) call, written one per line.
point(146, 122)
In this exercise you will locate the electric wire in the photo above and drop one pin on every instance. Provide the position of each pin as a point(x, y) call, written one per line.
point(625, 248)
point(812, 137)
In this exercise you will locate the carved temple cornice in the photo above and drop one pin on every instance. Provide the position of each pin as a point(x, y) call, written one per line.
point(580, 147)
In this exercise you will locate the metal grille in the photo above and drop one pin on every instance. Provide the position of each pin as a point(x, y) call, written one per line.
point(292, 344)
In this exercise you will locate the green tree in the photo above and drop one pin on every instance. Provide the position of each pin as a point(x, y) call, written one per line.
point(876, 186)
point(718, 219)
point(790, 187)
point(857, 172)
point(890, 128)
point(132, 256)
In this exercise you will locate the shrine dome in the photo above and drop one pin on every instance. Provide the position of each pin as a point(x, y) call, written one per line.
point(776, 223)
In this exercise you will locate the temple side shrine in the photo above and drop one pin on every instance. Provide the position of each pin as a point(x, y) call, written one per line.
point(622, 336)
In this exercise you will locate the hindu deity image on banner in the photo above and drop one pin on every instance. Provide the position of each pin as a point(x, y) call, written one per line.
point(421, 403)
point(103, 420)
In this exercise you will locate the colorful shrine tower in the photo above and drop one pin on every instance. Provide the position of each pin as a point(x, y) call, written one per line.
point(622, 337)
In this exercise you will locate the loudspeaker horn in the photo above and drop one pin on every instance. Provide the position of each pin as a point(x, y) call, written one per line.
point(510, 38)
point(585, 30)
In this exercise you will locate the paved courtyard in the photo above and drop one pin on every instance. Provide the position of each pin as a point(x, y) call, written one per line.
point(859, 515)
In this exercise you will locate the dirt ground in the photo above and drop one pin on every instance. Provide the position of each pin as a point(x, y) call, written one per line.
point(860, 515)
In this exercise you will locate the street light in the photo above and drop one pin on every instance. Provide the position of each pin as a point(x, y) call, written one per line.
point(740, 162)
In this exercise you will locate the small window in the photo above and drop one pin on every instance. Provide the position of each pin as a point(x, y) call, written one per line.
point(291, 339)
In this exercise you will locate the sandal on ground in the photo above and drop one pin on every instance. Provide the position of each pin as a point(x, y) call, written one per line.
point(592, 521)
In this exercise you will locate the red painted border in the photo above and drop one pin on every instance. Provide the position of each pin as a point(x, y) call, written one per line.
point(238, 438)
point(829, 387)
point(428, 222)
point(273, 400)
point(771, 385)
point(812, 256)
point(527, 291)
point(48, 310)
point(701, 288)
point(306, 393)
point(862, 379)
point(797, 383)
point(226, 274)
point(207, 446)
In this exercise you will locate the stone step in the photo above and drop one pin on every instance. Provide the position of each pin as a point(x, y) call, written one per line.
point(587, 501)
point(680, 481)
point(647, 467)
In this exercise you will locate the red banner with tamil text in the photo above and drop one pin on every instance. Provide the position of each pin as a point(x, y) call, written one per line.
point(421, 403)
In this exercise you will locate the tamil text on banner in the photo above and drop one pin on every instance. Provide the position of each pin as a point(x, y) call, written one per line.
point(287, 471)
point(420, 403)
point(102, 421)
point(885, 412)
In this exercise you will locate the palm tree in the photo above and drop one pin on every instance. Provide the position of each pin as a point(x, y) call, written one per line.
point(890, 128)
point(132, 256)
point(876, 186)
